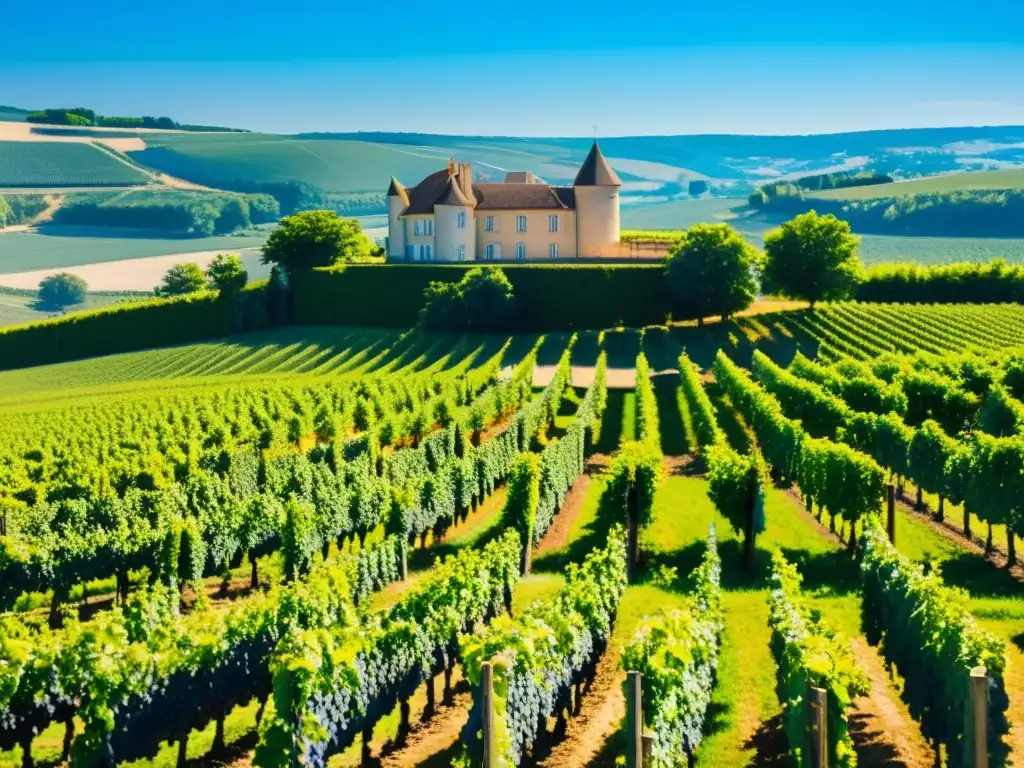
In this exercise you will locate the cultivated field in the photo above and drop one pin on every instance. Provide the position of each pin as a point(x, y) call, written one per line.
point(321, 351)
point(109, 137)
point(31, 164)
point(74, 246)
point(298, 486)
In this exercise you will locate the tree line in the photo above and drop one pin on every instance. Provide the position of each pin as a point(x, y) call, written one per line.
point(954, 213)
point(198, 214)
point(81, 116)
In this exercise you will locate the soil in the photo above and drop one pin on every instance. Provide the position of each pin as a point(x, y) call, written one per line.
point(438, 734)
point(557, 535)
point(882, 730)
point(603, 707)
point(676, 465)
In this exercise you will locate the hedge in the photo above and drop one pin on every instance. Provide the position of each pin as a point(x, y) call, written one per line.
point(133, 326)
point(993, 283)
point(549, 296)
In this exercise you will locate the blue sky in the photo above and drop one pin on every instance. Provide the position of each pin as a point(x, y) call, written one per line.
point(525, 68)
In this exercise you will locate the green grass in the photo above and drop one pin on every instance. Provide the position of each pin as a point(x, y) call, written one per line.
point(19, 306)
point(63, 164)
point(1005, 179)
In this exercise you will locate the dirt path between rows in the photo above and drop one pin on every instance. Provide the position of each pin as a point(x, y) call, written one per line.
point(438, 734)
point(884, 735)
point(603, 708)
point(882, 729)
point(557, 536)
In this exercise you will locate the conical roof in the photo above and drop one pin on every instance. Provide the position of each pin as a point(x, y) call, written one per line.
point(453, 195)
point(397, 190)
point(596, 172)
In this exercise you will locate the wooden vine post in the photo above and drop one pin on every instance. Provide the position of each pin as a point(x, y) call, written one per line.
point(648, 749)
point(634, 720)
point(890, 525)
point(818, 728)
point(490, 755)
point(976, 720)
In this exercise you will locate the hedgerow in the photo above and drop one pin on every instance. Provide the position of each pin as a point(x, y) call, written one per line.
point(548, 296)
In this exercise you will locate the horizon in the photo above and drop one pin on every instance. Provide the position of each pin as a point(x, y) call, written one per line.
point(793, 69)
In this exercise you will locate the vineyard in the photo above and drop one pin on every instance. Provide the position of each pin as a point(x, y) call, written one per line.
point(852, 329)
point(373, 548)
point(63, 164)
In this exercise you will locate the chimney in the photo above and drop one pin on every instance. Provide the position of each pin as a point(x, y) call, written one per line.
point(466, 179)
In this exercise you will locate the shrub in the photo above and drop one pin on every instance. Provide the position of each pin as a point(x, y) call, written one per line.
point(994, 282)
point(315, 239)
point(481, 301)
point(182, 279)
point(129, 327)
point(225, 274)
point(61, 290)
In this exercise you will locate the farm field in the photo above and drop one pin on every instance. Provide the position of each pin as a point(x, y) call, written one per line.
point(334, 166)
point(266, 437)
point(778, 333)
point(141, 274)
point(73, 246)
point(874, 249)
point(31, 164)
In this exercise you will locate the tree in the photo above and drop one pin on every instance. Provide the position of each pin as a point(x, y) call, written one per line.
point(62, 290)
point(713, 271)
point(488, 299)
point(226, 274)
point(812, 257)
point(482, 300)
point(315, 239)
point(181, 279)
